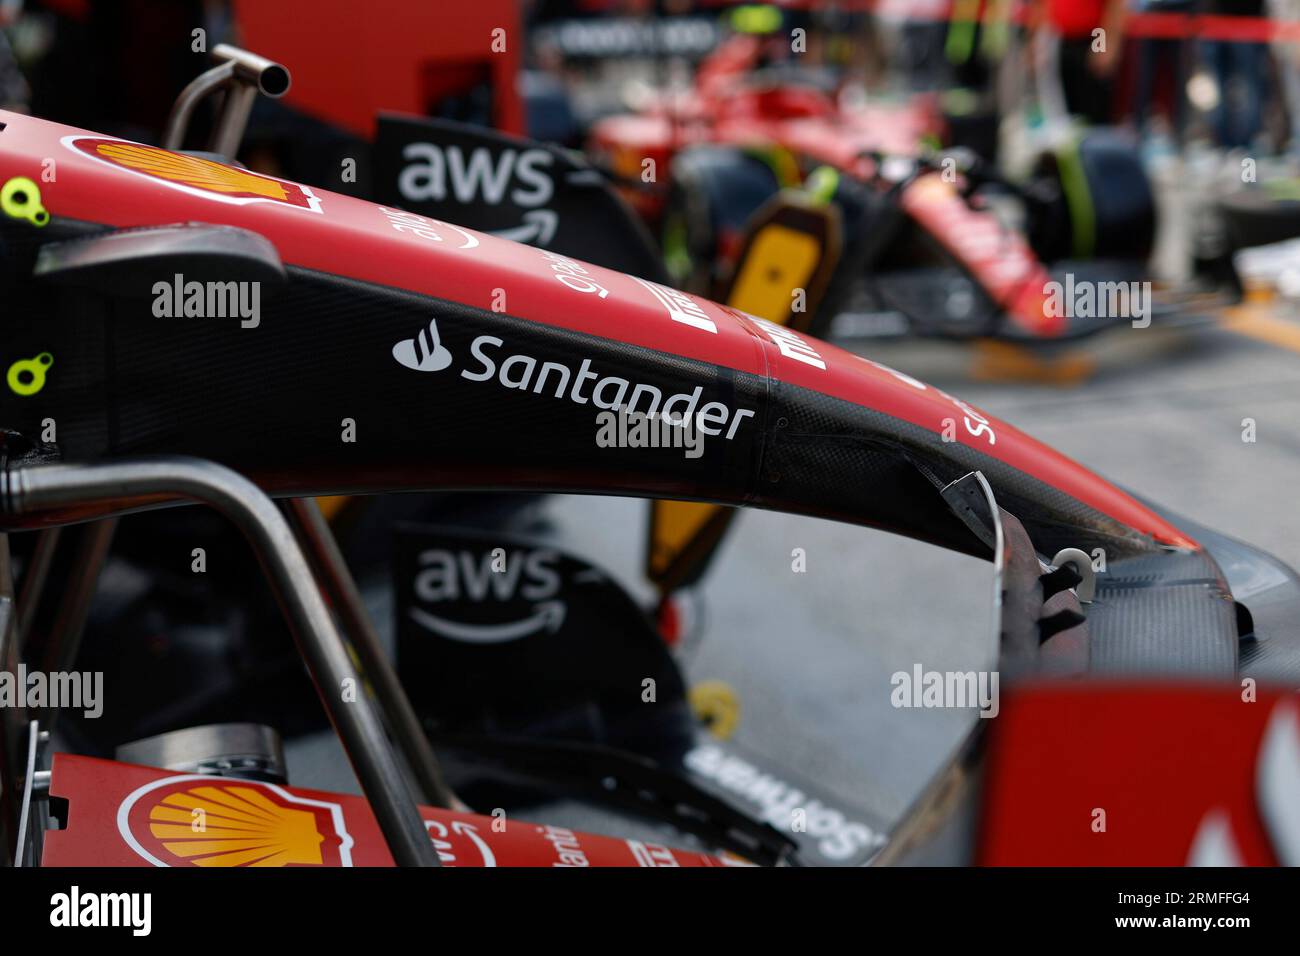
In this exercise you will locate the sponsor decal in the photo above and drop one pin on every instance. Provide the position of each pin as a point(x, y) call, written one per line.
point(977, 426)
point(525, 373)
point(568, 849)
point(1277, 781)
point(651, 854)
point(426, 228)
point(475, 174)
point(538, 228)
point(424, 353)
point(478, 577)
point(199, 820)
point(681, 307)
point(440, 836)
point(515, 177)
point(789, 343)
point(510, 188)
point(833, 834)
point(572, 274)
point(193, 174)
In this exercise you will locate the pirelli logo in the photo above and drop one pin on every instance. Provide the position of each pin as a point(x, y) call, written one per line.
point(681, 307)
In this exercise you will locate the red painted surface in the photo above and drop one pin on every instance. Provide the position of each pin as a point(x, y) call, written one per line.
point(350, 61)
point(354, 238)
point(125, 815)
point(1003, 261)
point(724, 108)
point(1156, 759)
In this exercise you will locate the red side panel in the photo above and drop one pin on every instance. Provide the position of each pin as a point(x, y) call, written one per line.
point(1145, 775)
point(395, 51)
point(1000, 258)
point(124, 815)
point(123, 184)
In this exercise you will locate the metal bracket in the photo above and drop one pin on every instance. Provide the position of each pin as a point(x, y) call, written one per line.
point(101, 490)
point(1086, 589)
point(242, 75)
point(336, 582)
point(36, 739)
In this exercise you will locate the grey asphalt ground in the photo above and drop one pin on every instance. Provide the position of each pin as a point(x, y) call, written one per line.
point(810, 655)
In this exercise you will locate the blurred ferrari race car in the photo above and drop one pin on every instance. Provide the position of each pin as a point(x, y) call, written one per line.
point(776, 180)
point(179, 328)
point(768, 185)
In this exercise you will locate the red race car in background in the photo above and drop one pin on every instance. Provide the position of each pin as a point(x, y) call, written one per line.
point(918, 241)
point(1178, 630)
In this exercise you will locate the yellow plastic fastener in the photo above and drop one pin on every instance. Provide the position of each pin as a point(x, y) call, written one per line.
point(27, 376)
point(717, 706)
point(20, 198)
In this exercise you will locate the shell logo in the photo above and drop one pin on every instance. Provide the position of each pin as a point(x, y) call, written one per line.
point(198, 820)
point(193, 174)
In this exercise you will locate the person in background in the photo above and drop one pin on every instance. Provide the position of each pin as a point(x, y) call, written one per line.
point(1287, 57)
point(1239, 70)
point(1160, 58)
point(1087, 60)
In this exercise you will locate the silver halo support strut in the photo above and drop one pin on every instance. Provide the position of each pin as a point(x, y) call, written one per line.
point(100, 490)
point(336, 581)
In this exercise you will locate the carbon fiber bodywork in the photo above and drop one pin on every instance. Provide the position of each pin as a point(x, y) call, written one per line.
point(273, 403)
point(406, 353)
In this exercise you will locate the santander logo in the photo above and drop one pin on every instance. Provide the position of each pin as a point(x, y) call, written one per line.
point(582, 385)
point(424, 353)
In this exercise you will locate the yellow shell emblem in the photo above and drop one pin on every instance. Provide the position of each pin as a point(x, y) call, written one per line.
point(194, 174)
point(191, 170)
point(233, 825)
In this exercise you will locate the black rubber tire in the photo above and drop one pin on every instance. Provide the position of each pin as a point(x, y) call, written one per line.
point(714, 189)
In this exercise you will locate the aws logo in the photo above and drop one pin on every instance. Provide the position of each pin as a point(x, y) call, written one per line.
point(198, 820)
point(514, 177)
point(193, 174)
point(488, 597)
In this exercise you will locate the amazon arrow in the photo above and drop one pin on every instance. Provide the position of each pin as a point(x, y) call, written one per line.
point(538, 228)
point(546, 614)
